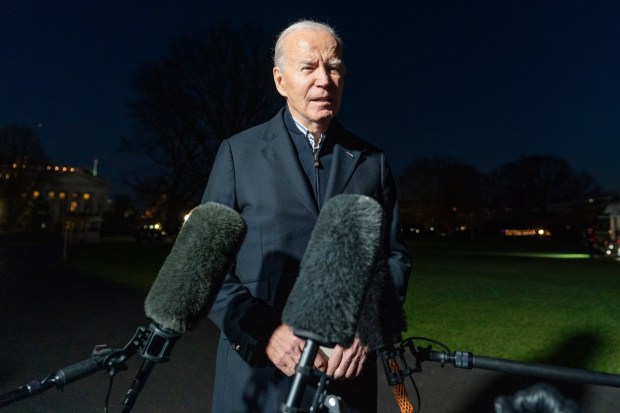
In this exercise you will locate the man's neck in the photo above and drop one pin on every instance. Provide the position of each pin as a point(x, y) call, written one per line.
point(316, 129)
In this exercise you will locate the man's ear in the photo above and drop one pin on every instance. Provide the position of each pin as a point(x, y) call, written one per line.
point(279, 81)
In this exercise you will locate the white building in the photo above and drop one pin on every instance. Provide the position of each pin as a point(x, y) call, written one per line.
point(76, 201)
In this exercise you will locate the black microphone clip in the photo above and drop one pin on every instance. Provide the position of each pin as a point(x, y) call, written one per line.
point(395, 364)
point(155, 346)
point(158, 343)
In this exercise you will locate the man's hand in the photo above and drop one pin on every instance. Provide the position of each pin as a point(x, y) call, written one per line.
point(284, 350)
point(347, 362)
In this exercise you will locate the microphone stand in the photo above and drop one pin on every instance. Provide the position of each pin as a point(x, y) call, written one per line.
point(467, 360)
point(156, 349)
point(102, 358)
point(146, 341)
point(303, 371)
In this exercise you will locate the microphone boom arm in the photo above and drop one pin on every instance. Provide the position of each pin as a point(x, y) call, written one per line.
point(102, 358)
point(467, 360)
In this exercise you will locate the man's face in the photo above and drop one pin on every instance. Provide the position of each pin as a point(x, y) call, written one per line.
point(312, 78)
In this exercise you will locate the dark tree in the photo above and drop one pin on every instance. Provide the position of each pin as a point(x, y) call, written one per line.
point(120, 217)
point(544, 191)
point(22, 164)
point(534, 183)
point(443, 193)
point(210, 85)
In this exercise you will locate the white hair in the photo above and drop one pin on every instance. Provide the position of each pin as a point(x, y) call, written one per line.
point(278, 52)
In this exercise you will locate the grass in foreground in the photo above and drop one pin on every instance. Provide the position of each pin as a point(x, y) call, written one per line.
point(534, 304)
point(125, 262)
point(537, 303)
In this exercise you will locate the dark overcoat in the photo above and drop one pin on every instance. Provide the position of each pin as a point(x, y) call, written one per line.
point(258, 173)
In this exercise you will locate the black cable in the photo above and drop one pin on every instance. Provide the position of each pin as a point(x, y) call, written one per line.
point(107, 397)
point(409, 342)
point(430, 340)
point(418, 406)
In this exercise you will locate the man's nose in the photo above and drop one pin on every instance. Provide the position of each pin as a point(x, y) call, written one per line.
point(322, 76)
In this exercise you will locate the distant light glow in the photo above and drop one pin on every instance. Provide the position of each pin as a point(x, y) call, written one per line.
point(554, 255)
point(530, 232)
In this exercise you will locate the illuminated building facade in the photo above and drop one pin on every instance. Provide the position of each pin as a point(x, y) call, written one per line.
point(58, 200)
point(76, 200)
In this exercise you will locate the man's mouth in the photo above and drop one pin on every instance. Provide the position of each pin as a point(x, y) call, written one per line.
point(323, 100)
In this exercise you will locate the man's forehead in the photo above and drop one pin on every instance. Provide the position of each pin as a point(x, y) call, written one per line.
point(309, 42)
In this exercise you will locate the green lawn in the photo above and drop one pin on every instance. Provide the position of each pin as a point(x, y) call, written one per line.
point(529, 302)
point(132, 264)
point(536, 302)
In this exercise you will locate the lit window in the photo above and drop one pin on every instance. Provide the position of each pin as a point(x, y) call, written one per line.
point(74, 195)
point(62, 195)
point(51, 194)
point(74, 206)
point(86, 196)
point(36, 195)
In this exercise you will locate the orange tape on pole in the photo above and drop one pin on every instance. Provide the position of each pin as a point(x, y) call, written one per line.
point(400, 392)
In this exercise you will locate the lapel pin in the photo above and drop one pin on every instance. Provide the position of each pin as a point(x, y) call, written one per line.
point(350, 154)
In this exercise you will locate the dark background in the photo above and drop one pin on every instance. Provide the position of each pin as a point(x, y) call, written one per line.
point(482, 81)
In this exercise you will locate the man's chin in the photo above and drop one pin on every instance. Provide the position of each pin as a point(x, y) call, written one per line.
point(324, 116)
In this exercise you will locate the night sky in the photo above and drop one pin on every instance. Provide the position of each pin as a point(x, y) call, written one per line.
point(481, 81)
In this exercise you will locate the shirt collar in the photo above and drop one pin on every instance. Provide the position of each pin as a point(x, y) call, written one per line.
point(307, 133)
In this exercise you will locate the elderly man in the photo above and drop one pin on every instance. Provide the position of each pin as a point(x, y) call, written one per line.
point(278, 175)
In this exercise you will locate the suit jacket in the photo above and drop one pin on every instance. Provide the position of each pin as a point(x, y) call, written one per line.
point(258, 173)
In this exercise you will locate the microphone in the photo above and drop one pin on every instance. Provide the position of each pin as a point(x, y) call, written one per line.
point(380, 326)
point(187, 283)
point(383, 319)
point(193, 272)
point(325, 303)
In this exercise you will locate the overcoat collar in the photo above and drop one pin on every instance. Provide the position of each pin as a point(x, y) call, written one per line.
point(279, 151)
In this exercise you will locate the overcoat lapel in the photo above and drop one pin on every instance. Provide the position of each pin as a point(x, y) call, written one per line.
point(343, 165)
point(280, 153)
